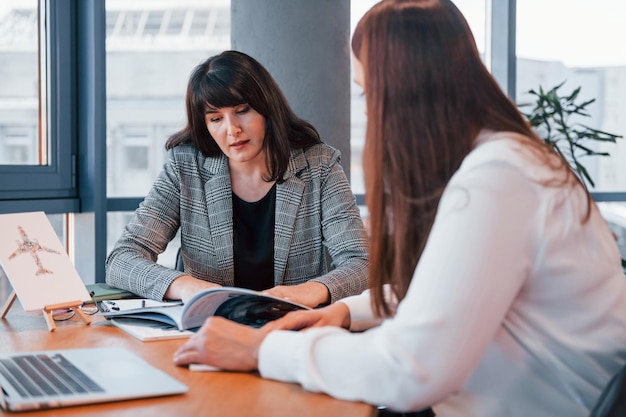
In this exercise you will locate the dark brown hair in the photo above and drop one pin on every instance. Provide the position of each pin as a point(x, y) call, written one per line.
point(233, 78)
point(428, 96)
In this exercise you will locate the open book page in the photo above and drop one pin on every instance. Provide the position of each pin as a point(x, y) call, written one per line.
point(237, 304)
point(169, 312)
point(243, 306)
point(149, 330)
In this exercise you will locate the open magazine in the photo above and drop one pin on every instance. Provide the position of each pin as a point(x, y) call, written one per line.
point(243, 306)
point(149, 330)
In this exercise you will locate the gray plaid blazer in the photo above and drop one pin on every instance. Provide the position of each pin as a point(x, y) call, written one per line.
point(315, 208)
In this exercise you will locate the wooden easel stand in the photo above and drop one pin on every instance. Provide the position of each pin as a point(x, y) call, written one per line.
point(48, 310)
point(7, 305)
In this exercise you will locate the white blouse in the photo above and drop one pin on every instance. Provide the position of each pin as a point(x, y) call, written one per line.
point(516, 307)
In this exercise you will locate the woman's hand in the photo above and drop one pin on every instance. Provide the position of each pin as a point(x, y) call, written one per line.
point(185, 286)
point(227, 345)
point(337, 314)
point(224, 344)
point(310, 294)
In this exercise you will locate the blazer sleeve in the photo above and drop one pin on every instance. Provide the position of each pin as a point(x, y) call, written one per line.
point(344, 234)
point(131, 265)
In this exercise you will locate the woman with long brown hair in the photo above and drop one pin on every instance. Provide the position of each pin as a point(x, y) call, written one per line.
point(496, 287)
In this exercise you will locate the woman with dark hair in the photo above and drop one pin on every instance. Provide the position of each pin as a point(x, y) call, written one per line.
point(256, 195)
point(496, 287)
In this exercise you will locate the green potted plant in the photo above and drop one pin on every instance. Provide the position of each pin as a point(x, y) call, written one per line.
point(551, 117)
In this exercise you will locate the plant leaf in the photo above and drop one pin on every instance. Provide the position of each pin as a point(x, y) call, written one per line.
point(550, 118)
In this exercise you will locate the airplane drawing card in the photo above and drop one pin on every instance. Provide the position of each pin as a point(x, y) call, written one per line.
point(36, 263)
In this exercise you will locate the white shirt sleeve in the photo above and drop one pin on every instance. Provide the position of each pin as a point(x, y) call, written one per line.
point(361, 315)
point(475, 262)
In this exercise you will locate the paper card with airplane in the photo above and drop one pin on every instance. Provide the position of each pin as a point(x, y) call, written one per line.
point(36, 263)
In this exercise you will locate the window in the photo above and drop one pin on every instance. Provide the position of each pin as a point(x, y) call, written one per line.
point(593, 59)
point(35, 121)
point(18, 145)
point(19, 86)
point(145, 96)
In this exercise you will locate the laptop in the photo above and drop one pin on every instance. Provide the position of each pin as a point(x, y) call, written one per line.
point(60, 378)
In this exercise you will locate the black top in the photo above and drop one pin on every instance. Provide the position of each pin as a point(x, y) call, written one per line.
point(253, 241)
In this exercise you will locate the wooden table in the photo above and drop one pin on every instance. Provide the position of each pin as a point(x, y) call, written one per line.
point(210, 393)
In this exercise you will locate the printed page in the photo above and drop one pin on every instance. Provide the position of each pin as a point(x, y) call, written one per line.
point(169, 312)
point(202, 306)
point(254, 310)
point(237, 304)
point(149, 330)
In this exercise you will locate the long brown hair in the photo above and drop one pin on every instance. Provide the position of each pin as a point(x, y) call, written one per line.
point(428, 96)
point(232, 78)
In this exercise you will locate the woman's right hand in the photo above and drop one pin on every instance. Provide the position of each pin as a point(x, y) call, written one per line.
point(337, 315)
point(185, 287)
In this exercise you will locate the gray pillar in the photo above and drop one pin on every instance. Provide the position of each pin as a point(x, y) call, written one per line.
point(304, 44)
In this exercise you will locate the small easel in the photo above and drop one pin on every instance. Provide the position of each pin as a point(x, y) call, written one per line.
point(38, 267)
point(47, 310)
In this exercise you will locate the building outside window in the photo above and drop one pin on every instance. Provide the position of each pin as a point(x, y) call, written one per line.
point(19, 83)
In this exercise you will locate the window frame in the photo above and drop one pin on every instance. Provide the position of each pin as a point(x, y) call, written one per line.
point(51, 188)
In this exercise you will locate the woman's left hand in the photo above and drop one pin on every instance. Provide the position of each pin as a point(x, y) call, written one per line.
point(224, 344)
point(310, 294)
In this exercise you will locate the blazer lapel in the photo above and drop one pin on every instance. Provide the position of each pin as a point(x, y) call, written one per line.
point(289, 196)
point(219, 203)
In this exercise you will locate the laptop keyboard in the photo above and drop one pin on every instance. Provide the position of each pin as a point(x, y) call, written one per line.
point(39, 375)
